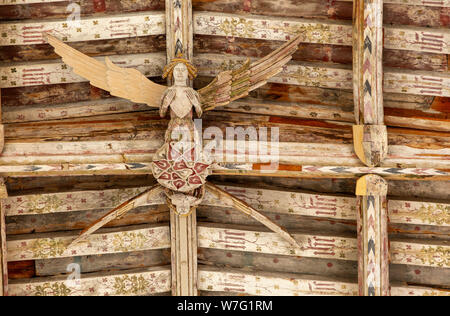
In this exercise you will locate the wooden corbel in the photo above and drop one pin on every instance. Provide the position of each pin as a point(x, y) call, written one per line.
point(3, 261)
point(373, 245)
point(369, 133)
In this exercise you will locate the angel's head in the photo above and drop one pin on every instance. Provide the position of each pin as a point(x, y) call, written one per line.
point(179, 69)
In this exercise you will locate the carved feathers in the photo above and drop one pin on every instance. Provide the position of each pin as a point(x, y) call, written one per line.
point(232, 85)
point(121, 82)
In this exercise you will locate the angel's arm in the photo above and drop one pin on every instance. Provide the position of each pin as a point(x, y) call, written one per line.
point(194, 97)
point(232, 85)
point(166, 100)
point(121, 82)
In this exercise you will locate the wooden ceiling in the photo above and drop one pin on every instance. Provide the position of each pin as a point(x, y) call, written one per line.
point(72, 152)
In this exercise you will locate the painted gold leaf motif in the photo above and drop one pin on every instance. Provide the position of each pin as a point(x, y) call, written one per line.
point(438, 256)
point(52, 289)
point(43, 204)
point(128, 285)
point(48, 247)
point(312, 76)
point(237, 27)
point(316, 33)
point(438, 214)
point(129, 241)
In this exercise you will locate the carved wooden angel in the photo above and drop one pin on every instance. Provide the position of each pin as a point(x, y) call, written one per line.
point(179, 166)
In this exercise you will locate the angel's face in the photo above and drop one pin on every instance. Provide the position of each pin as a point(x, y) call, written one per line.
point(180, 74)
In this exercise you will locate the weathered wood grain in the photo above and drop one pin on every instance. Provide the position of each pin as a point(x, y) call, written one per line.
point(270, 284)
point(121, 46)
point(56, 9)
point(313, 31)
point(105, 262)
point(148, 281)
point(54, 72)
point(157, 280)
point(213, 44)
point(330, 268)
point(92, 28)
point(54, 245)
point(318, 246)
point(337, 77)
point(292, 202)
point(373, 245)
point(3, 249)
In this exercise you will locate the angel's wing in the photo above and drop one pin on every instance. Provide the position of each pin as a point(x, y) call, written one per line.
point(121, 82)
point(232, 85)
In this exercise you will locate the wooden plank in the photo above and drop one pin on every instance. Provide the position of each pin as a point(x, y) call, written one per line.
point(329, 268)
point(276, 284)
point(73, 110)
point(3, 250)
point(54, 245)
point(140, 282)
point(433, 3)
point(337, 77)
point(291, 166)
point(314, 31)
point(275, 201)
point(373, 247)
point(2, 127)
point(157, 280)
point(224, 237)
point(58, 9)
point(303, 74)
point(105, 262)
point(53, 72)
point(90, 28)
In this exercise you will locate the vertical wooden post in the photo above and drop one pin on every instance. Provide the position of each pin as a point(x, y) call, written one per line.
point(2, 130)
point(3, 261)
point(183, 231)
point(369, 133)
point(373, 246)
point(179, 29)
point(179, 37)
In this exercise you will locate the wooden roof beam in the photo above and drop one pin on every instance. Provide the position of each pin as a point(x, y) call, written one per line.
point(226, 237)
point(336, 207)
point(89, 28)
point(157, 280)
point(314, 31)
point(276, 284)
point(148, 281)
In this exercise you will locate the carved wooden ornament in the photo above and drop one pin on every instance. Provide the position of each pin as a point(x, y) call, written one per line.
point(180, 166)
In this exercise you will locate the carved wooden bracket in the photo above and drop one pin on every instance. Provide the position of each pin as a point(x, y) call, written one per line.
point(370, 143)
point(369, 135)
point(3, 261)
point(373, 246)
